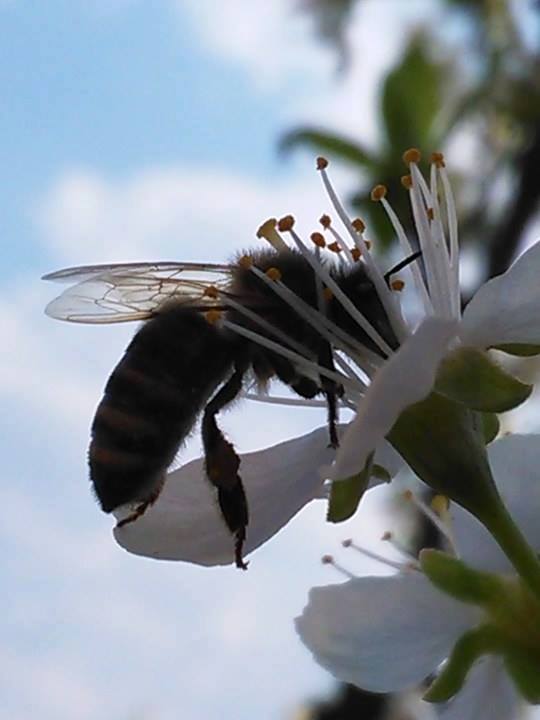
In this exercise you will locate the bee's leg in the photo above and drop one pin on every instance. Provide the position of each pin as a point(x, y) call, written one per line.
point(332, 391)
point(222, 463)
point(142, 507)
point(287, 373)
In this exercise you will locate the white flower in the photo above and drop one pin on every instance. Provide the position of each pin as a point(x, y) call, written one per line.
point(387, 634)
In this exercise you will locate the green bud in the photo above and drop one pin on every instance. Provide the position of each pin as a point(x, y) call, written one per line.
point(345, 495)
point(471, 377)
point(490, 426)
point(523, 666)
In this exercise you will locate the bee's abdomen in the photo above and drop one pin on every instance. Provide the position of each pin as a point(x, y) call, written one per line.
point(151, 402)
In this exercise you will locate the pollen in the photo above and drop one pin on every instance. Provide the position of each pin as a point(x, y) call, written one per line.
point(212, 316)
point(378, 193)
point(359, 225)
point(327, 293)
point(246, 261)
point(322, 163)
point(267, 228)
point(440, 504)
point(334, 247)
point(437, 158)
point(318, 239)
point(406, 181)
point(325, 221)
point(211, 292)
point(412, 155)
point(273, 273)
point(286, 223)
point(397, 285)
point(356, 254)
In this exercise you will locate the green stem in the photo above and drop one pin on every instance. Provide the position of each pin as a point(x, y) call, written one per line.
point(501, 525)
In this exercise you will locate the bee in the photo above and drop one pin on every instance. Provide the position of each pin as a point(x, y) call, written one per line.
point(201, 341)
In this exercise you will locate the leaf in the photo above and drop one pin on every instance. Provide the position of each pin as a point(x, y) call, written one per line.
point(411, 98)
point(345, 495)
point(470, 377)
point(336, 146)
point(518, 349)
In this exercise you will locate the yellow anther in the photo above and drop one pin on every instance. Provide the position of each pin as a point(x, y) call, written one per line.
point(322, 163)
point(437, 158)
point(273, 273)
point(397, 285)
point(430, 213)
point(412, 155)
point(318, 239)
point(211, 291)
point(325, 221)
point(286, 223)
point(356, 254)
point(212, 316)
point(378, 192)
point(334, 247)
point(359, 225)
point(267, 228)
point(327, 293)
point(440, 504)
point(406, 181)
point(246, 261)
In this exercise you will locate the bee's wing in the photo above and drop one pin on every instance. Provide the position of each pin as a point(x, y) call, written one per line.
point(132, 291)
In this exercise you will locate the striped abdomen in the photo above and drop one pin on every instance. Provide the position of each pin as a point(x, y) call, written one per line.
point(151, 401)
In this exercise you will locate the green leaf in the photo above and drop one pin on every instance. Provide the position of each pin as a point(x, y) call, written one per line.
point(457, 579)
point(471, 377)
point(490, 426)
point(345, 495)
point(411, 98)
point(335, 146)
point(519, 349)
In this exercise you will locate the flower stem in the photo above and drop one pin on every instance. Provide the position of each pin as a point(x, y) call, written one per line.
point(501, 525)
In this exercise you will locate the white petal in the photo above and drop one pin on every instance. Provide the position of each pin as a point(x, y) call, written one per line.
point(515, 463)
point(383, 634)
point(406, 378)
point(507, 308)
point(488, 694)
point(185, 522)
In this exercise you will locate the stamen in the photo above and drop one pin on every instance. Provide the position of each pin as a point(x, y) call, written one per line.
point(325, 221)
point(397, 285)
point(246, 261)
point(274, 274)
point(340, 244)
point(406, 181)
point(268, 231)
point(359, 225)
point(397, 545)
point(322, 163)
point(211, 292)
point(329, 560)
point(317, 239)
point(437, 158)
point(380, 558)
point(356, 254)
point(441, 526)
point(387, 299)
point(213, 316)
point(378, 193)
point(412, 156)
point(451, 216)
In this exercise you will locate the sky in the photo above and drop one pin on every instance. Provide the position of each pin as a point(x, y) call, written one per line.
point(139, 130)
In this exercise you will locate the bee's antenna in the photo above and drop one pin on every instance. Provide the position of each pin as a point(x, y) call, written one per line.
point(402, 264)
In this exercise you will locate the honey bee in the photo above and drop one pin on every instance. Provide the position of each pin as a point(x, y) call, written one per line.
point(208, 330)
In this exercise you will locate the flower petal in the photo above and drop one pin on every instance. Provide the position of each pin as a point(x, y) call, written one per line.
point(406, 378)
point(185, 522)
point(383, 634)
point(507, 308)
point(515, 463)
point(488, 694)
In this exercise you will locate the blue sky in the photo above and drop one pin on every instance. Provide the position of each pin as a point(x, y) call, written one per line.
point(148, 130)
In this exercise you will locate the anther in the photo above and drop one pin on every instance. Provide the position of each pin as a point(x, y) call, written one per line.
point(322, 163)
point(334, 247)
point(329, 560)
point(406, 181)
point(211, 292)
point(212, 316)
point(413, 155)
point(440, 504)
point(367, 244)
point(274, 274)
point(325, 221)
point(318, 239)
point(437, 158)
point(327, 294)
point(397, 285)
point(347, 543)
point(378, 193)
point(286, 223)
point(268, 232)
point(359, 225)
point(246, 262)
point(356, 254)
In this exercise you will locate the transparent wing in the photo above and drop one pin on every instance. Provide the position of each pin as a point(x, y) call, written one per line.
point(132, 291)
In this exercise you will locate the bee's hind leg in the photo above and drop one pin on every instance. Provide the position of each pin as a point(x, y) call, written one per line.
point(222, 463)
point(332, 391)
point(142, 507)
